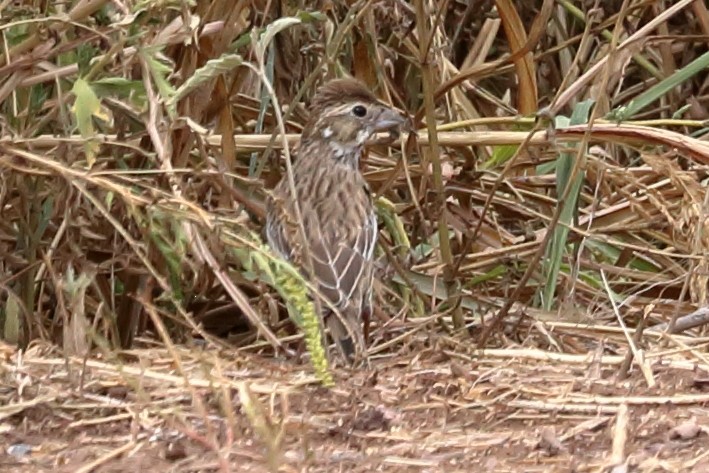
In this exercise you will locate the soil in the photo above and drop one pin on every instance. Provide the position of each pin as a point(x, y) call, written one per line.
point(511, 410)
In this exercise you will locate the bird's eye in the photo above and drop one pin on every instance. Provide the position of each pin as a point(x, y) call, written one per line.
point(359, 111)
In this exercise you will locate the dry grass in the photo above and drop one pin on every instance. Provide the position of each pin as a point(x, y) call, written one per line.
point(508, 410)
point(543, 289)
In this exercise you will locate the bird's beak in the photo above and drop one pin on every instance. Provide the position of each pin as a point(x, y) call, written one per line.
point(387, 120)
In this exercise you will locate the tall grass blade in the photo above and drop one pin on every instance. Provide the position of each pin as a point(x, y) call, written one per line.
point(564, 178)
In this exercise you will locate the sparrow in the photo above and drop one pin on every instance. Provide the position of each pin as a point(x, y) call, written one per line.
point(335, 247)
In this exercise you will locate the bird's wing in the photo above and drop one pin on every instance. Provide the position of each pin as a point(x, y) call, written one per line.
point(340, 249)
point(341, 259)
point(276, 235)
point(342, 266)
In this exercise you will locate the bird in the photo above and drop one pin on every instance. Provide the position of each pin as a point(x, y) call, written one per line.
point(335, 248)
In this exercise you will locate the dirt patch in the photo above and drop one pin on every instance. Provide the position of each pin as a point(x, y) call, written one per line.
point(501, 410)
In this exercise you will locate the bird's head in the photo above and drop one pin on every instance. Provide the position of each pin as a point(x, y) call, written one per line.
point(344, 114)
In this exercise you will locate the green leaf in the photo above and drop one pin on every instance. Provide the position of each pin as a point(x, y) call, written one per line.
point(283, 23)
point(130, 91)
point(159, 72)
point(118, 86)
point(86, 106)
point(658, 90)
point(564, 168)
point(607, 253)
point(500, 155)
point(503, 153)
point(276, 27)
point(496, 272)
point(209, 71)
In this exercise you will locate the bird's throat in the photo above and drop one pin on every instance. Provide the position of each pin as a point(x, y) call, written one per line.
point(329, 152)
point(346, 154)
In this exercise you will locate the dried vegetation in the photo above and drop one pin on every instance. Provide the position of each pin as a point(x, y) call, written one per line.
point(544, 249)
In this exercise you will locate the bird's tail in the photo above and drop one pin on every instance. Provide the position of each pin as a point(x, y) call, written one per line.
point(346, 331)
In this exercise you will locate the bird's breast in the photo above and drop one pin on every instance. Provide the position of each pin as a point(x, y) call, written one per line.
point(341, 198)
